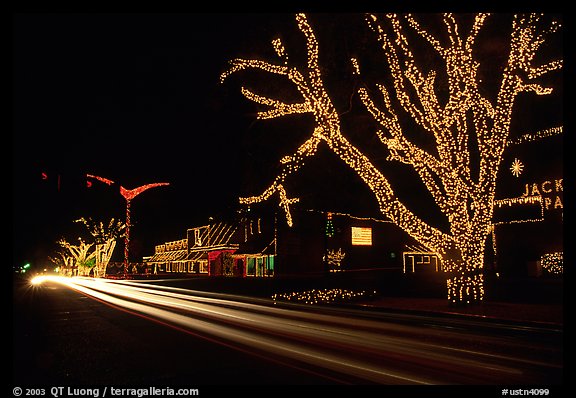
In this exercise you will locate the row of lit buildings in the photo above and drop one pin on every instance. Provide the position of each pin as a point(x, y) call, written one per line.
point(262, 245)
point(526, 239)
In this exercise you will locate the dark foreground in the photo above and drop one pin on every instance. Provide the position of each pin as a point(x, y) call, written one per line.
point(64, 337)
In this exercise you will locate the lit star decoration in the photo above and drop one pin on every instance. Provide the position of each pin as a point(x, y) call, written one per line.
point(464, 195)
point(516, 168)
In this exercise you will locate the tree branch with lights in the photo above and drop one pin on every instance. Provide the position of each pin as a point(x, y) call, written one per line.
point(105, 237)
point(63, 261)
point(80, 255)
point(467, 116)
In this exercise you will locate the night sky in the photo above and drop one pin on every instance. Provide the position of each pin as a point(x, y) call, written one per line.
point(136, 98)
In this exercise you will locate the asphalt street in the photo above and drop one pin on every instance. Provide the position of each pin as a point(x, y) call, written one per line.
point(94, 332)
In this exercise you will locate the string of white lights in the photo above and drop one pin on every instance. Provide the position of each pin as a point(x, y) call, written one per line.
point(464, 196)
point(536, 136)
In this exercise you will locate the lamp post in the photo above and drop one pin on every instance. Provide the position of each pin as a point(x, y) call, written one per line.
point(130, 194)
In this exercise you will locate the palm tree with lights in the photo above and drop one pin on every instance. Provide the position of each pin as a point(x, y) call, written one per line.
point(129, 195)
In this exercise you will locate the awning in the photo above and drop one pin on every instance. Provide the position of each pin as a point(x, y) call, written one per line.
point(257, 248)
point(198, 255)
point(176, 255)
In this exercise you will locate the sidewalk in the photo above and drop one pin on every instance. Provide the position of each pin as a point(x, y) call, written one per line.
point(541, 313)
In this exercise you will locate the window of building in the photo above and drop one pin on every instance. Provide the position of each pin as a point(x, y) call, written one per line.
point(270, 268)
point(259, 266)
point(250, 269)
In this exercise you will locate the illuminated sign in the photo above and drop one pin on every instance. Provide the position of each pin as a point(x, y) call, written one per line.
point(361, 236)
point(550, 191)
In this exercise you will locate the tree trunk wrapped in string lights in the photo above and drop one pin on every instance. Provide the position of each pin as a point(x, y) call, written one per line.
point(105, 238)
point(465, 196)
point(79, 255)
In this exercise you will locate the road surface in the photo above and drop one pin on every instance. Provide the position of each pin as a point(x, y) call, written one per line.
point(91, 331)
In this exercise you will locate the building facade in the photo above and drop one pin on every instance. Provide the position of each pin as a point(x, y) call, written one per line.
point(527, 238)
point(260, 244)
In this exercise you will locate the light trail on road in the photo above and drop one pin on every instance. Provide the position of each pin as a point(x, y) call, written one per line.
point(333, 345)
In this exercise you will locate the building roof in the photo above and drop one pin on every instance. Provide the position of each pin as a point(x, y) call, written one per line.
point(210, 236)
point(175, 255)
point(200, 240)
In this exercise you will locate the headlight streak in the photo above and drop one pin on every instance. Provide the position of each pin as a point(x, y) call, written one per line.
point(347, 338)
point(288, 350)
point(204, 337)
point(297, 311)
point(310, 338)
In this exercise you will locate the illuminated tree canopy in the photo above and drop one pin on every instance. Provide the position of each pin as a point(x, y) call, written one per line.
point(103, 233)
point(91, 256)
point(79, 255)
point(105, 238)
point(465, 196)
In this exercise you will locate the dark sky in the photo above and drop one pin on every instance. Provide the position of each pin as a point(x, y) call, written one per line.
point(136, 98)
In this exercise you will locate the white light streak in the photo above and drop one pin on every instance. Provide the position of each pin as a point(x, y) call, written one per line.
point(369, 350)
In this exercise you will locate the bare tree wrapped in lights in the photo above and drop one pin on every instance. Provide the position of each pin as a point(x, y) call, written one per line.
point(105, 238)
point(80, 255)
point(64, 262)
point(465, 196)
